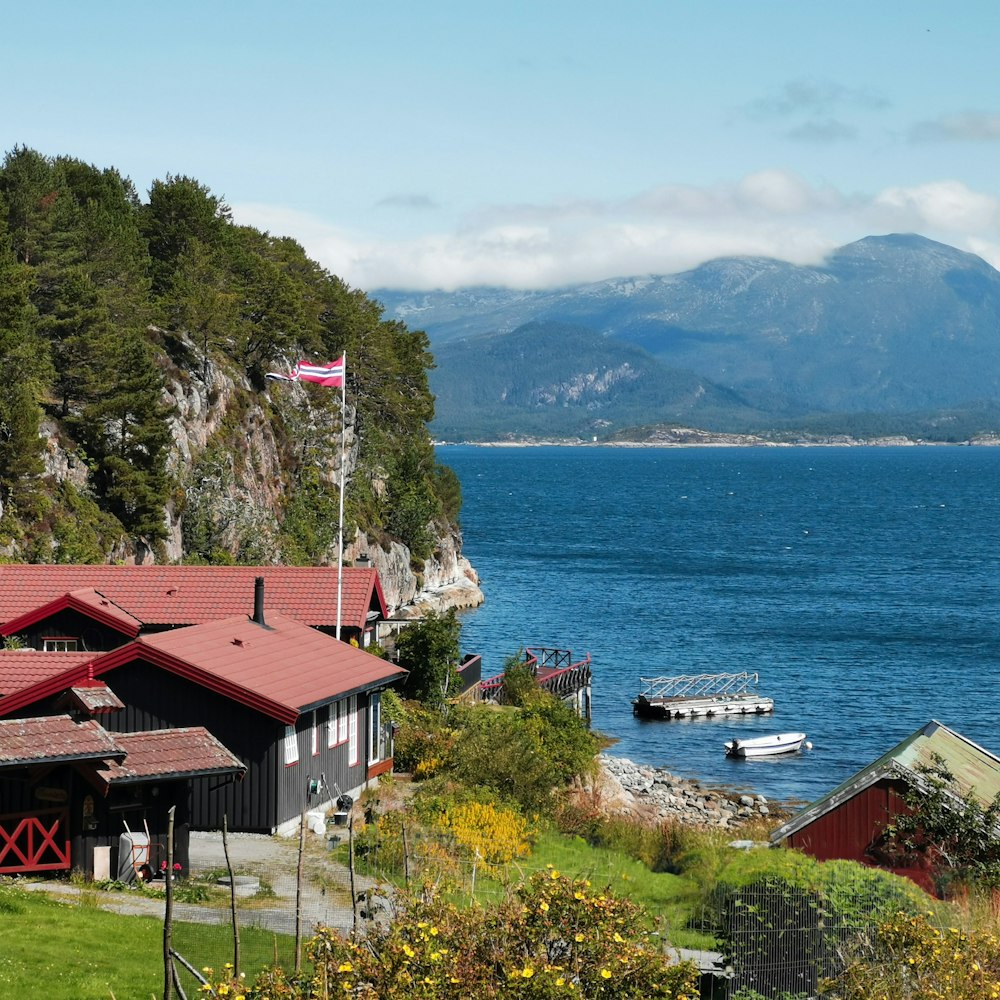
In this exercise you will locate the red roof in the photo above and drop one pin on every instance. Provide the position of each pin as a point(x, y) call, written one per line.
point(281, 669)
point(189, 595)
point(85, 600)
point(54, 739)
point(93, 697)
point(21, 668)
point(124, 757)
point(187, 753)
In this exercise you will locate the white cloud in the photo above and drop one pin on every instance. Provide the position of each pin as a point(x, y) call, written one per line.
point(670, 228)
point(945, 206)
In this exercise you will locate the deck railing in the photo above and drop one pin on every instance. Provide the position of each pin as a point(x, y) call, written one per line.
point(553, 669)
point(34, 842)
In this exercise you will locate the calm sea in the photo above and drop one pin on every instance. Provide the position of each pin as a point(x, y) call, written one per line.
point(861, 584)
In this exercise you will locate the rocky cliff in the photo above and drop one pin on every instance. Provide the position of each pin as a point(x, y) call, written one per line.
point(231, 452)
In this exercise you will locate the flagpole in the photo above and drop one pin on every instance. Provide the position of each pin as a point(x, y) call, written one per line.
point(343, 473)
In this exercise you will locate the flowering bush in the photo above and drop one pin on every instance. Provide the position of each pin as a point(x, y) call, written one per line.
point(490, 832)
point(913, 960)
point(554, 938)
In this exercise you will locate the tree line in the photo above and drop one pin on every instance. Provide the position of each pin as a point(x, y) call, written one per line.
point(105, 297)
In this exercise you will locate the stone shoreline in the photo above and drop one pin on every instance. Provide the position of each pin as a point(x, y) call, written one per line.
point(651, 794)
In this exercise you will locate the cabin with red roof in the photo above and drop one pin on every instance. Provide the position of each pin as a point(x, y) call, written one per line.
point(95, 608)
point(69, 788)
point(293, 703)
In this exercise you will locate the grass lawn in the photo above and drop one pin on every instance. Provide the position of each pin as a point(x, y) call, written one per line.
point(64, 951)
point(675, 899)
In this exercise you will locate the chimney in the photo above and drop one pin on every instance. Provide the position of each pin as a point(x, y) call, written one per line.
point(363, 562)
point(258, 600)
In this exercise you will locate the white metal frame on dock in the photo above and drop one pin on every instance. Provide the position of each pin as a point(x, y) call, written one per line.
point(698, 685)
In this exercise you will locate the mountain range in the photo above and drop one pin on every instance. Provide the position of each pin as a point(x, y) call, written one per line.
point(890, 331)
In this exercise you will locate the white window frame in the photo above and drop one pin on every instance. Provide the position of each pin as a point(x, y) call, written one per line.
point(331, 725)
point(291, 746)
point(315, 733)
point(60, 644)
point(343, 725)
point(353, 751)
point(374, 726)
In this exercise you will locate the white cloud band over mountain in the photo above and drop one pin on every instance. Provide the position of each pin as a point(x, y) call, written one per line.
point(671, 228)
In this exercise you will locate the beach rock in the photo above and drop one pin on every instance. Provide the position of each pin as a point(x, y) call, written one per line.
point(628, 789)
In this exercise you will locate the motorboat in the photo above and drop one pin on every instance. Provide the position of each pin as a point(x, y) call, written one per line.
point(765, 746)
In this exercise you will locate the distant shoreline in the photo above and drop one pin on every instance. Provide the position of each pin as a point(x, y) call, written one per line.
point(727, 441)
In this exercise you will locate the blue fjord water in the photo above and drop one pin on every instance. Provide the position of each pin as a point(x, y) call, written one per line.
point(861, 584)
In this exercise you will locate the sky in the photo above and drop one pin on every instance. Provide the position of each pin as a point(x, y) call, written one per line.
point(531, 144)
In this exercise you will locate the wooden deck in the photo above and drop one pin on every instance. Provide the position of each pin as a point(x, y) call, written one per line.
point(555, 671)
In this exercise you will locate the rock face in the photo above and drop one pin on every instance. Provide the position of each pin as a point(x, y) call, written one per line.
point(655, 795)
point(448, 580)
point(245, 483)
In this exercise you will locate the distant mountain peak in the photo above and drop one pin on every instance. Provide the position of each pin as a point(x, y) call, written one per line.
point(888, 323)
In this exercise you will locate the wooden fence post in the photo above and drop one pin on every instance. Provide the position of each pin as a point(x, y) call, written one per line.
point(168, 912)
point(232, 895)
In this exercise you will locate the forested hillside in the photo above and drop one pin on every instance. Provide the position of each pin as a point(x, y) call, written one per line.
point(135, 419)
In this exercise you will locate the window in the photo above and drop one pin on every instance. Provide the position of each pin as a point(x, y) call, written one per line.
point(342, 721)
point(331, 725)
point(375, 728)
point(291, 746)
point(315, 733)
point(59, 645)
point(353, 755)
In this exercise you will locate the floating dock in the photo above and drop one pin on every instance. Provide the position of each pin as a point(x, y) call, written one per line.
point(692, 695)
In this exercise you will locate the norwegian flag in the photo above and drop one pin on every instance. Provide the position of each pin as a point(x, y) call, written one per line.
point(330, 374)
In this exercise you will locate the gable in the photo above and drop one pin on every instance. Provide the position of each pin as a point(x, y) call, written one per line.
point(92, 605)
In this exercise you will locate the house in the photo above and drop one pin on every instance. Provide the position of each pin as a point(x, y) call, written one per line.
point(95, 608)
point(294, 704)
point(69, 788)
point(848, 822)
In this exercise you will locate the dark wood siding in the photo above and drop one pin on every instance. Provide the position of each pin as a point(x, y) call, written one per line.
point(157, 699)
point(331, 763)
point(91, 635)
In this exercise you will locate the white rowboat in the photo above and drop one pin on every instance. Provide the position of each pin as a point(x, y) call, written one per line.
point(765, 746)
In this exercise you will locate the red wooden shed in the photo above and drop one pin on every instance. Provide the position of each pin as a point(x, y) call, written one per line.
point(847, 822)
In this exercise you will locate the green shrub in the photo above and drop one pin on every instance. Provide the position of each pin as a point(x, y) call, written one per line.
point(523, 755)
point(424, 740)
